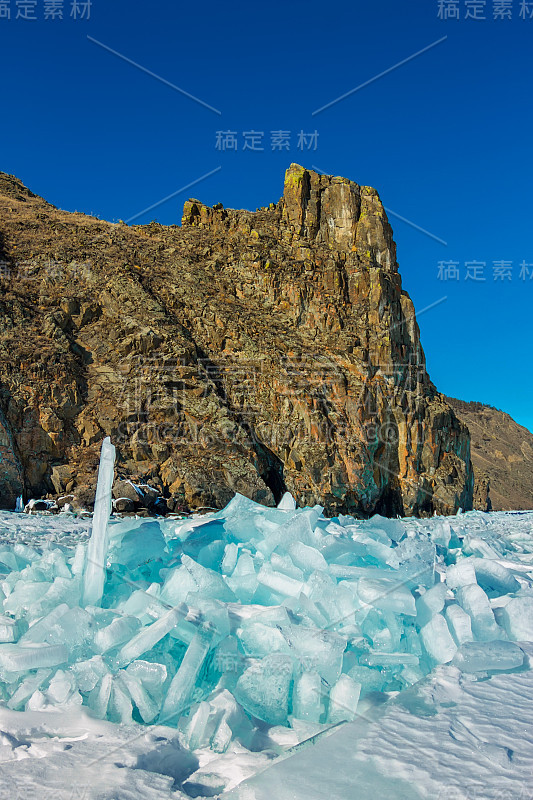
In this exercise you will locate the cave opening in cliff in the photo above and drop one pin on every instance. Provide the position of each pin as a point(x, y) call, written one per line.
point(390, 503)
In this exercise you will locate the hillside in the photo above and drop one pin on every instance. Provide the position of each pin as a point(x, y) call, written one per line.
point(503, 451)
point(241, 351)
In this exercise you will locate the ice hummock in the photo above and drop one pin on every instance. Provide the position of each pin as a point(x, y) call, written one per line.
point(225, 624)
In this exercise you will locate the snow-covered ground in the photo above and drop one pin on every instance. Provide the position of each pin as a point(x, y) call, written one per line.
point(448, 737)
point(267, 653)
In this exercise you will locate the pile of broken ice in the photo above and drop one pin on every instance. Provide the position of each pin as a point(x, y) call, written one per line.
point(227, 623)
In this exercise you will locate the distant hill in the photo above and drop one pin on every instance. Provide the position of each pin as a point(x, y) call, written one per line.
point(502, 450)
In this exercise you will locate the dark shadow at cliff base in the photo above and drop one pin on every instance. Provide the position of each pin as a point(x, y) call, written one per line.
point(272, 473)
point(390, 504)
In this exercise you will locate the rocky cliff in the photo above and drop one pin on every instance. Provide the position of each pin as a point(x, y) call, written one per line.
point(502, 455)
point(241, 351)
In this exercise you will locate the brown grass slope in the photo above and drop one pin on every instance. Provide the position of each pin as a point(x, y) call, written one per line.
point(503, 450)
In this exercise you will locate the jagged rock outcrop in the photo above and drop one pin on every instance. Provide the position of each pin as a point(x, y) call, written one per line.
point(243, 351)
point(482, 500)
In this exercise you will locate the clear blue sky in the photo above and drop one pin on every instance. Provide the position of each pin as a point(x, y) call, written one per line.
point(445, 138)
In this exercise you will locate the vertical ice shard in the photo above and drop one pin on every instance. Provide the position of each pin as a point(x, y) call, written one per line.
point(343, 700)
point(307, 697)
point(196, 728)
point(8, 629)
point(459, 624)
point(94, 575)
point(180, 690)
point(430, 603)
point(98, 699)
point(477, 605)
point(287, 502)
point(437, 640)
point(517, 619)
point(147, 706)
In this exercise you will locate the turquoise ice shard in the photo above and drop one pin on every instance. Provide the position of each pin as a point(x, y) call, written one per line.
point(279, 583)
point(184, 681)
point(253, 617)
point(430, 603)
point(120, 705)
point(461, 574)
point(386, 595)
point(98, 699)
point(307, 558)
point(459, 623)
point(94, 575)
point(41, 629)
point(14, 658)
point(307, 697)
point(149, 636)
point(343, 700)
point(196, 730)
point(27, 687)
point(121, 630)
point(148, 708)
point(151, 674)
point(484, 656)
point(287, 502)
point(517, 619)
point(494, 577)
point(138, 544)
point(8, 629)
point(476, 604)
point(437, 640)
point(263, 689)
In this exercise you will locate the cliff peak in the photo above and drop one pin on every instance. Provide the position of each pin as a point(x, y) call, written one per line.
point(340, 213)
point(317, 209)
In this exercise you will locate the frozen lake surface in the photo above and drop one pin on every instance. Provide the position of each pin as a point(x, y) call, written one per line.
point(258, 653)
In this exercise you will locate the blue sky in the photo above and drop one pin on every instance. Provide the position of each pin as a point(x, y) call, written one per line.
point(445, 138)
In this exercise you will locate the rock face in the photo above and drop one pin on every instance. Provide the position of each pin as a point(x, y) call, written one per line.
point(502, 455)
point(243, 351)
point(11, 473)
point(482, 499)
